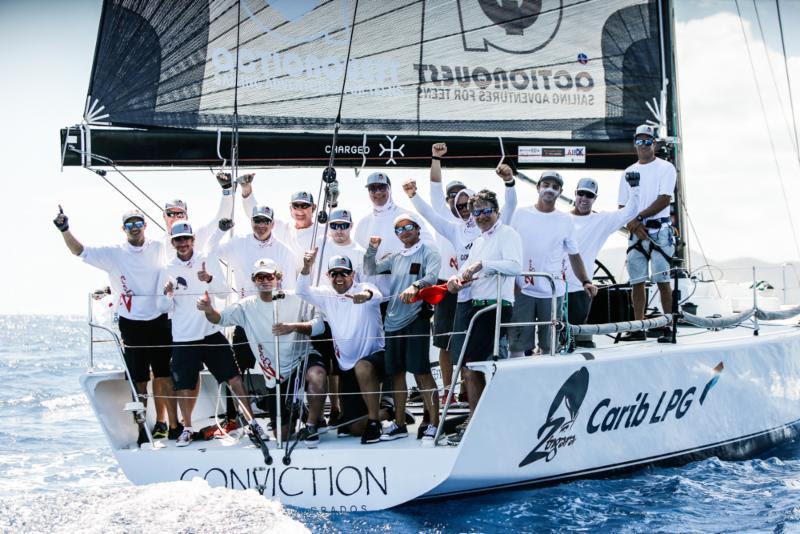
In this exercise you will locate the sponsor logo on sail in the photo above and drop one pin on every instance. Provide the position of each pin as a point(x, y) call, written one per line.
point(512, 26)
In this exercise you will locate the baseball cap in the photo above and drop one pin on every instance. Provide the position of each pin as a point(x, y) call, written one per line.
point(180, 229)
point(587, 184)
point(341, 216)
point(132, 214)
point(339, 263)
point(552, 175)
point(645, 129)
point(407, 217)
point(303, 196)
point(263, 211)
point(378, 178)
point(265, 265)
point(175, 204)
point(453, 184)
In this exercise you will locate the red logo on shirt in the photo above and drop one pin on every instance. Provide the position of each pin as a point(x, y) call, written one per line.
point(530, 279)
point(126, 297)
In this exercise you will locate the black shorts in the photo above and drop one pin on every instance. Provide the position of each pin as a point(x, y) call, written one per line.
point(288, 389)
point(480, 344)
point(245, 358)
point(409, 354)
point(188, 358)
point(460, 324)
point(353, 405)
point(323, 344)
point(139, 361)
point(444, 315)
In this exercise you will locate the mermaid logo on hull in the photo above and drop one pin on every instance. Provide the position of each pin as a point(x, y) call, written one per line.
point(555, 432)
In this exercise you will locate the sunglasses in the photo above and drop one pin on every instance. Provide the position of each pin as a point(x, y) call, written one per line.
point(453, 194)
point(175, 214)
point(181, 239)
point(377, 187)
point(645, 142)
point(261, 220)
point(134, 224)
point(586, 194)
point(482, 211)
point(334, 274)
point(300, 205)
point(339, 225)
point(269, 277)
point(463, 206)
point(405, 228)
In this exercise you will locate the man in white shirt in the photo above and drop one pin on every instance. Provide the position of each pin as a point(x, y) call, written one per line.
point(548, 236)
point(186, 276)
point(133, 269)
point(498, 251)
point(353, 312)
point(592, 229)
point(270, 318)
point(652, 240)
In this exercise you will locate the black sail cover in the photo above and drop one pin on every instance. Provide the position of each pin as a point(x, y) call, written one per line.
point(563, 74)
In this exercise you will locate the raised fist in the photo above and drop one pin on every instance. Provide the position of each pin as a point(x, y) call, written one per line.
point(375, 241)
point(61, 221)
point(309, 258)
point(225, 224)
point(410, 187)
point(505, 172)
point(245, 178)
point(439, 149)
point(224, 179)
point(632, 178)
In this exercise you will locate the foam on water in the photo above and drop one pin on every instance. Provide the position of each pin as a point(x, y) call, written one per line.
point(169, 507)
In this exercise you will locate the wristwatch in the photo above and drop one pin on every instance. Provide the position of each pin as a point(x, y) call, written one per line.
point(640, 218)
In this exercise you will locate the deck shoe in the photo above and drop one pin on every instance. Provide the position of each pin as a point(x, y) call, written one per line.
point(633, 336)
point(463, 426)
point(228, 425)
point(394, 432)
point(175, 433)
point(185, 438)
point(343, 431)
point(160, 430)
point(142, 439)
point(334, 418)
point(455, 439)
point(309, 435)
point(421, 430)
point(655, 332)
point(372, 432)
point(429, 433)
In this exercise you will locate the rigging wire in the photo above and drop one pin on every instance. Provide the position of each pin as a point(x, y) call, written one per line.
point(788, 79)
point(769, 132)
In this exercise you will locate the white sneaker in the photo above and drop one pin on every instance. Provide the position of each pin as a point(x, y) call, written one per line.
point(430, 433)
point(394, 432)
point(185, 438)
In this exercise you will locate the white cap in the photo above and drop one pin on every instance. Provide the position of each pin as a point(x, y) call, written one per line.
point(587, 184)
point(340, 262)
point(132, 214)
point(454, 184)
point(407, 217)
point(265, 265)
point(181, 229)
point(176, 204)
point(303, 196)
point(645, 129)
point(341, 216)
point(262, 211)
point(378, 178)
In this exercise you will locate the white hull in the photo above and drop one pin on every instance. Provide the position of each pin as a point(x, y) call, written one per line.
point(539, 420)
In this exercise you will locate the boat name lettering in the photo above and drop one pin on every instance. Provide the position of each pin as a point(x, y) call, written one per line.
point(607, 417)
point(348, 149)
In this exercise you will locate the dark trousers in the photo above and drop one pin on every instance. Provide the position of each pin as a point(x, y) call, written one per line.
point(578, 306)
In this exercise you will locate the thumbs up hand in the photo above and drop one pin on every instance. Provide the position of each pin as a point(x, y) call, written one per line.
point(204, 303)
point(203, 275)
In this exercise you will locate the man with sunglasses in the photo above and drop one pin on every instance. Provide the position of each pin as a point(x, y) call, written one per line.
point(592, 229)
point(188, 275)
point(548, 239)
point(652, 241)
point(407, 324)
point(274, 314)
point(353, 311)
point(133, 270)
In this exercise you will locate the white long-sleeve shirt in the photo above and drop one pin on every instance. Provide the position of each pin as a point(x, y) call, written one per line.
point(189, 323)
point(202, 234)
point(357, 328)
point(133, 273)
point(299, 241)
point(499, 250)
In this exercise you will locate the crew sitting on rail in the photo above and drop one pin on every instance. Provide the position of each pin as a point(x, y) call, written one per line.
point(274, 314)
point(548, 235)
point(133, 269)
point(408, 323)
point(353, 312)
point(592, 229)
point(196, 341)
point(498, 251)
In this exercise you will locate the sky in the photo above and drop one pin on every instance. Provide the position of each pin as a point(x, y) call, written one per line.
point(739, 196)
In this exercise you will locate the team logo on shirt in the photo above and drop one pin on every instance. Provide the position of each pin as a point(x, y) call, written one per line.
point(126, 297)
point(181, 282)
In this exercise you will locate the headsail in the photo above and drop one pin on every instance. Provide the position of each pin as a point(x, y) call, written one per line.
point(570, 74)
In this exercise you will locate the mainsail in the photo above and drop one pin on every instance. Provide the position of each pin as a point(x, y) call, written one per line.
point(559, 81)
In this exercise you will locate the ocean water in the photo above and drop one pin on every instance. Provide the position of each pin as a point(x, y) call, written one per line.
point(58, 474)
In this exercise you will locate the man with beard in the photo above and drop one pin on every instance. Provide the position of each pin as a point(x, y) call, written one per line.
point(547, 236)
point(592, 229)
point(652, 241)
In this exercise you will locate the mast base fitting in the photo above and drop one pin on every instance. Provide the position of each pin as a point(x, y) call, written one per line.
point(329, 175)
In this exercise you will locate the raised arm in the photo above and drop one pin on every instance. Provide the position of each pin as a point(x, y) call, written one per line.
point(438, 202)
point(506, 173)
point(446, 226)
point(373, 266)
point(62, 223)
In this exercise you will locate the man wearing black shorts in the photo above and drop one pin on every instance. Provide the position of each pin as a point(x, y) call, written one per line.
point(133, 269)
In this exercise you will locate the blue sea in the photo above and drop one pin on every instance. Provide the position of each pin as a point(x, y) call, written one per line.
point(58, 474)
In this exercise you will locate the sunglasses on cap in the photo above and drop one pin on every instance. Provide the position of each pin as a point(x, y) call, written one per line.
point(175, 214)
point(334, 274)
point(374, 188)
point(261, 220)
point(300, 205)
point(645, 142)
point(339, 225)
point(134, 224)
point(482, 211)
point(405, 228)
point(269, 277)
point(587, 194)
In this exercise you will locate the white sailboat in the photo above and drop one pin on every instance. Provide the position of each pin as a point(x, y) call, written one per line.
point(543, 84)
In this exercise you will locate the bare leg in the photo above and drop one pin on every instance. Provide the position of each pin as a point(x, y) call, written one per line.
point(166, 405)
point(241, 400)
point(333, 388)
point(195, 394)
point(446, 366)
point(369, 385)
point(665, 292)
point(400, 398)
point(638, 296)
point(430, 396)
point(186, 402)
point(475, 383)
point(315, 382)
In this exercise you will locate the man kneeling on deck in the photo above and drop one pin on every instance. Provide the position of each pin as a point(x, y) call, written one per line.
point(354, 315)
point(407, 323)
point(196, 341)
point(277, 314)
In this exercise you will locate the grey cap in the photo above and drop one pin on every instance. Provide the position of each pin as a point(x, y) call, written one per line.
point(262, 211)
point(378, 178)
point(645, 129)
point(340, 262)
point(132, 214)
point(587, 184)
point(303, 196)
point(176, 204)
point(180, 229)
point(341, 216)
point(265, 265)
point(453, 184)
point(552, 175)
